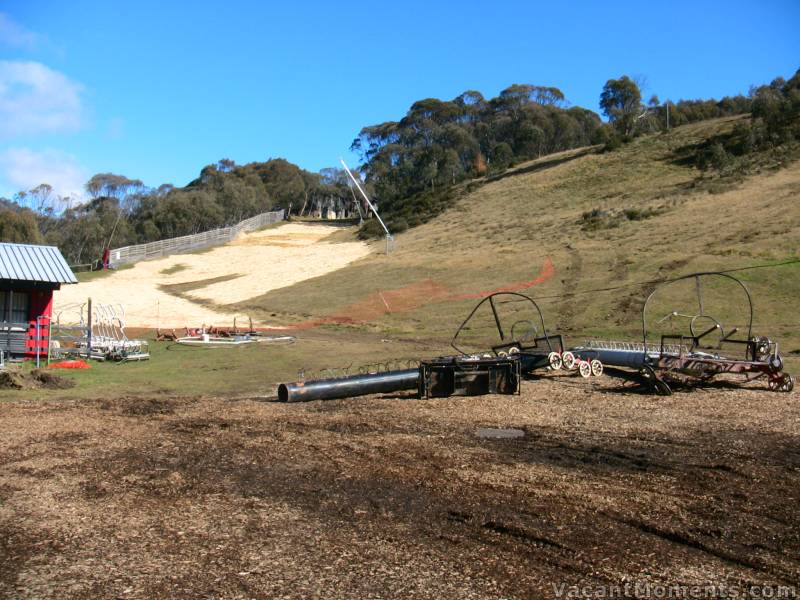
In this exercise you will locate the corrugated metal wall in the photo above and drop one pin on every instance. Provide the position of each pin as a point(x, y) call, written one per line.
point(18, 328)
point(14, 338)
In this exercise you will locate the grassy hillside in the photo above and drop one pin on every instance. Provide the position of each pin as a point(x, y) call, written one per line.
point(588, 226)
point(602, 219)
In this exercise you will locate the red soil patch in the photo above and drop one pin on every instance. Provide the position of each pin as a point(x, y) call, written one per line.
point(413, 296)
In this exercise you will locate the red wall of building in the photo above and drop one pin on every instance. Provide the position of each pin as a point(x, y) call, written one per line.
point(41, 306)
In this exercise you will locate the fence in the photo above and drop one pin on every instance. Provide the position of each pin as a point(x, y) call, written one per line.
point(214, 237)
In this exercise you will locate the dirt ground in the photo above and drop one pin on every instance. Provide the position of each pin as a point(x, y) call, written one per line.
point(192, 289)
point(384, 497)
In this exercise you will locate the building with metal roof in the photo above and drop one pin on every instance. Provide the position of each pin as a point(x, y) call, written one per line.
point(29, 275)
point(26, 262)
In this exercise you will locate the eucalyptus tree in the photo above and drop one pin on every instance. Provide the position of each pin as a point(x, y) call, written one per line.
point(621, 101)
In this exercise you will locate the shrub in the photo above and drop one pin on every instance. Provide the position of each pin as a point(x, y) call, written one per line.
point(370, 229)
point(397, 225)
point(502, 156)
point(599, 218)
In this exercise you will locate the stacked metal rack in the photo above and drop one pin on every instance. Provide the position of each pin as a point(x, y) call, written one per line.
point(96, 331)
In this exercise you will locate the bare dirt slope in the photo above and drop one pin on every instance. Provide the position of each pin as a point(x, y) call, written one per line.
point(396, 497)
point(192, 289)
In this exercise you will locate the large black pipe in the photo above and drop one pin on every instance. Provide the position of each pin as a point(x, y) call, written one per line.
point(347, 387)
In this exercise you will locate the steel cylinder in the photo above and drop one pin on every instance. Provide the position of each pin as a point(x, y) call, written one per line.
point(347, 387)
point(633, 359)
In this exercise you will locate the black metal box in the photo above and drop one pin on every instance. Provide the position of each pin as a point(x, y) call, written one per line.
point(468, 376)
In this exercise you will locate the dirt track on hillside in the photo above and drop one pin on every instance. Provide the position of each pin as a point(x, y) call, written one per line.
point(195, 288)
point(398, 497)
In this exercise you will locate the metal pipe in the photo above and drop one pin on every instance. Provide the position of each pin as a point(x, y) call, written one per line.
point(347, 387)
point(633, 359)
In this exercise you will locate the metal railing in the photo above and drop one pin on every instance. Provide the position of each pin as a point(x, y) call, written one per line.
point(214, 237)
point(635, 346)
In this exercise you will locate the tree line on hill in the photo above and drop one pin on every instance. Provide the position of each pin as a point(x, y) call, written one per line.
point(414, 163)
point(411, 166)
point(122, 211)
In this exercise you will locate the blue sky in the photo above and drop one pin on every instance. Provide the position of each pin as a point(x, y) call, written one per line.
point(157, 90)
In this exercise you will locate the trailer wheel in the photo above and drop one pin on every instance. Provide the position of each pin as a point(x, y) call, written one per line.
point(662, 389)
point(585, 369)
point(597, 367)
point(658, 385)
point(568, 360)
point(555, 361)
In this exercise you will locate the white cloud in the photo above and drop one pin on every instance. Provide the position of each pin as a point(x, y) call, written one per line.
point(36, 99)
point(24, 169)
point(15, 35)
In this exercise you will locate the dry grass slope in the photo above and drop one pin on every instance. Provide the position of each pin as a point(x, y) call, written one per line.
point(505, 229)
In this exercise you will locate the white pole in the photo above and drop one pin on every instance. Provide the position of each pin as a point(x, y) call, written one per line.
point(365, 196)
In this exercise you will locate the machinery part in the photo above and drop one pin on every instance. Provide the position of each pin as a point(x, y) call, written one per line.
point(585, 369)
point(784, 383)
point(509, 339)
point(717, 326)
point(346, 387)
point(470, 376)
point(568, 360)
point(658, 385)
point(619, 354)
point(763, 348)
point(529, 335)
point(597, 367)
point(689, 355)
point(522, 339)
point(698, 277)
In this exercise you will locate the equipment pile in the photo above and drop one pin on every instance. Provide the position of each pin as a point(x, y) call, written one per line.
point(685, 355)
point(95, 331)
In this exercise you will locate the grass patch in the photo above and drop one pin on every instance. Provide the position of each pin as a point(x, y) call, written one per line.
point(101, 274)
point(598, 218)
point(182, 290)
point(176, 268)
point(246, 370)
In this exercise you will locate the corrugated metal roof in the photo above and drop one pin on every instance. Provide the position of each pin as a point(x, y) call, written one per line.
point(26, 262)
